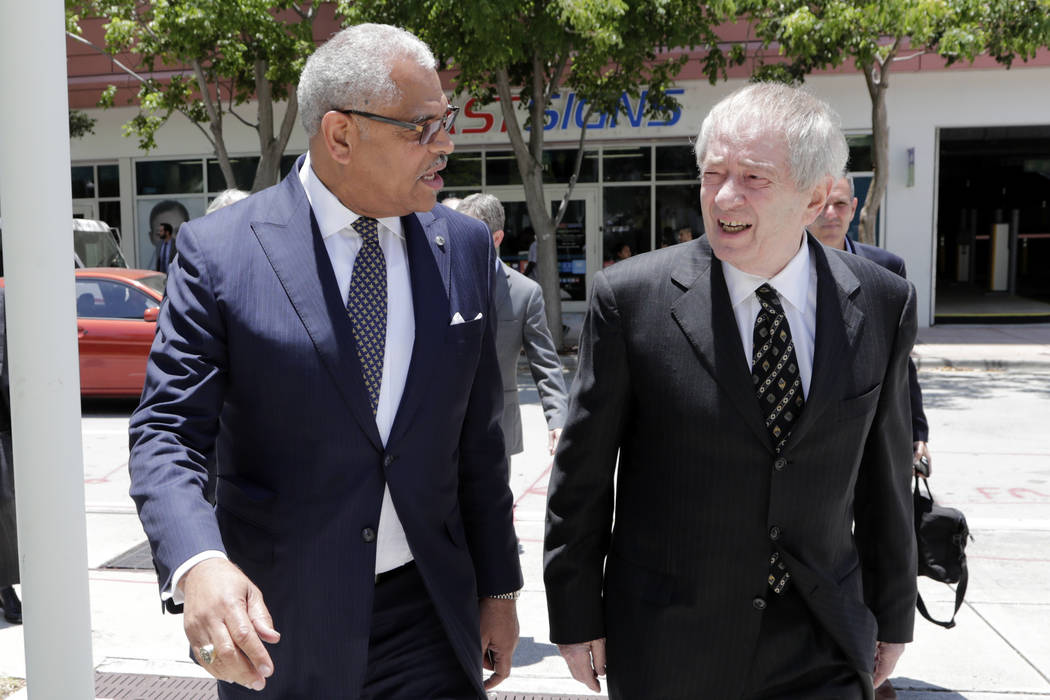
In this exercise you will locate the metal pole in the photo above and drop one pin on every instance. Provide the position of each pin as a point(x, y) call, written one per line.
point(36, 199)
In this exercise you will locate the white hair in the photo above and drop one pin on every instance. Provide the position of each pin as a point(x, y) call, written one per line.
point(225, 198)
point(486, 208)
point(809, 127)
point(352, 71)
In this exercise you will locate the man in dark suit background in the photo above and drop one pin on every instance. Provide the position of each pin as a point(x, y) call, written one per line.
point(165, 247)
point(729, 513)
point(830, 229)
point(331, 338)
point(522, 323)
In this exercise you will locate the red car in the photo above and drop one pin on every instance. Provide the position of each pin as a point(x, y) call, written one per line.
point(116, 319)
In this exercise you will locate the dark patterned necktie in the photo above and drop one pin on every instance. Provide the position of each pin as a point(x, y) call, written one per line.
point(774, 368)
point(366, 305)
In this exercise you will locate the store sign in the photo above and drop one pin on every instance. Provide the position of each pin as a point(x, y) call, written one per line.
point(565, 116)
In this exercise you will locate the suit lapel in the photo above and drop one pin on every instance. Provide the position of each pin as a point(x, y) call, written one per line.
point(501, 301)
point(429, 251)
point(705, 315)
point(839, 322)
point(294, 247)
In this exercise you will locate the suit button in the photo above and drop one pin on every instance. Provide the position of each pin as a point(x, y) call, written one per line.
point(368, 535)
point(774, 533)
point(780, 463)
point(759, 604)
point(388, 460)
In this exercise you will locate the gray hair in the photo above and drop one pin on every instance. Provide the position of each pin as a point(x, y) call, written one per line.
point(852, 188)
point(809, 127)
point(352, 71)
point(486, 208)
point(451, 202)
point(225, 198)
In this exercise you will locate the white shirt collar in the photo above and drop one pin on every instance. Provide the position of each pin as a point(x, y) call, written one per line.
point(332, 215)
point(791, 283)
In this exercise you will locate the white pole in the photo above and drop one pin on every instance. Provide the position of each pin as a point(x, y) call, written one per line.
point(42, 349)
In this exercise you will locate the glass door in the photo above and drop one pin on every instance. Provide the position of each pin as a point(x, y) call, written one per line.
point(579, 246)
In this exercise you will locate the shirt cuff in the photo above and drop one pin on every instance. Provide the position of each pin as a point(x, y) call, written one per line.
point(174, 594)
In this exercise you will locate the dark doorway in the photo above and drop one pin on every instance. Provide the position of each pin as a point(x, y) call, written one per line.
point(993, 176)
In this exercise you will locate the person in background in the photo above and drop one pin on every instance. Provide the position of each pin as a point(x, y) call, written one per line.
point(8, 522)
point(225, 199)
point(729, 514)
point(331, 338)
point(522, 323)
point(830, 229)
point(165, 247)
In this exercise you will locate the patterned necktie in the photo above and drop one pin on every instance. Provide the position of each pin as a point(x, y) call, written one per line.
point(774, 368)
point(366, 305)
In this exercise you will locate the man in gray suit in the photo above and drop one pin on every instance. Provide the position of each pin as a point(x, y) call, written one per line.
point(522, 323)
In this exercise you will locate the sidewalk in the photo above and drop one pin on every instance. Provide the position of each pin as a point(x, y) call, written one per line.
point(993, 347)
point(999, 651)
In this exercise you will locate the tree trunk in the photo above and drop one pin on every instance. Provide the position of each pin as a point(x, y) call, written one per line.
point(215, 125)
point(876, 75)
point(530, 164)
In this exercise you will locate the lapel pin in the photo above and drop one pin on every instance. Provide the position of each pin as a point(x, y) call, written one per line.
point(440, 240)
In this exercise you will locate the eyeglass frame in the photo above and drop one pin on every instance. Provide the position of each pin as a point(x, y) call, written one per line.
point(426, 131)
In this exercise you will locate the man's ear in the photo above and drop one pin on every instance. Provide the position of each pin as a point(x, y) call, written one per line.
point(497, 237)
point(853, 208)
point(339, 133)
point(818, 197)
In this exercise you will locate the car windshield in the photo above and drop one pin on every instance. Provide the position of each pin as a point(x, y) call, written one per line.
point(155, 282)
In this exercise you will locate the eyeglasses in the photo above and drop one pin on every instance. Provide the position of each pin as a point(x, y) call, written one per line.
point(427, 131)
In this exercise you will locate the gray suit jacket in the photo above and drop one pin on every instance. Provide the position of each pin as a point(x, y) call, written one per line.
point(523, 323)
point(667, 495)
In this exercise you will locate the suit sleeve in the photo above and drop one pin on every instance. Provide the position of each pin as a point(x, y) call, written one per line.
point(920, 427)
point(543, 361)
point(174, 426)
point(884, 524)
point(486, 503)
point(580, 494)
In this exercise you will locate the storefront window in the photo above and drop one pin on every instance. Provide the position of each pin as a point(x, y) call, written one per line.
point(675, 163)
point(463, 170)
point(83, 179)
point(243, 171)
point(626, 226)
point(859, 153)
point(108, 181)
point(169, 176)
point(501, 169)
point(560, 164)
point(678, 217)
point(626, 164)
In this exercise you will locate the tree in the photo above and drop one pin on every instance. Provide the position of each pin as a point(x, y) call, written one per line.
point(598, 48)
point(80, 124)
point(231, 51)
point(876, 33)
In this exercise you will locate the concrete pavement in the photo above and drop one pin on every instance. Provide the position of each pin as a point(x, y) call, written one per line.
point(1000, 648)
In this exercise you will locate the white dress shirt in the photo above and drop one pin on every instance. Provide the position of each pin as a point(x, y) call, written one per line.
point(796, 284)
point(342, 243)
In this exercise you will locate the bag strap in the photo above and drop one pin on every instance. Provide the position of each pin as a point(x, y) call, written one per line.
point(960, 593)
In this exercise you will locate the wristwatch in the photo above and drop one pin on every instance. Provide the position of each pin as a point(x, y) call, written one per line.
point(513, 595)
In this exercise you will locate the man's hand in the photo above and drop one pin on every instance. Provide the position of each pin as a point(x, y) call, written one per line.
point(586, 661)
point(499, 637)
point(223, 608)
point(921, 450)
point(552, 440)
point(886, 656)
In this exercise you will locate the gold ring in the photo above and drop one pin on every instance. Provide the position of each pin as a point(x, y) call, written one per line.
point(207, 653)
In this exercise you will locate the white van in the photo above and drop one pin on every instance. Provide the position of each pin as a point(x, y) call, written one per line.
point(94, 245)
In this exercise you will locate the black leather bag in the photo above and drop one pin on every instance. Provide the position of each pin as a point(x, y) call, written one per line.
point(941, 534)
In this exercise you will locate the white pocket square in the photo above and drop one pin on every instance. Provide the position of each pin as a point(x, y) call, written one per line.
point(457, 318)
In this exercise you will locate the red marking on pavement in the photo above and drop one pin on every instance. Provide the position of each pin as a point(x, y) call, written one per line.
point(993, 493)
point(105, 479)
point(533, 488)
